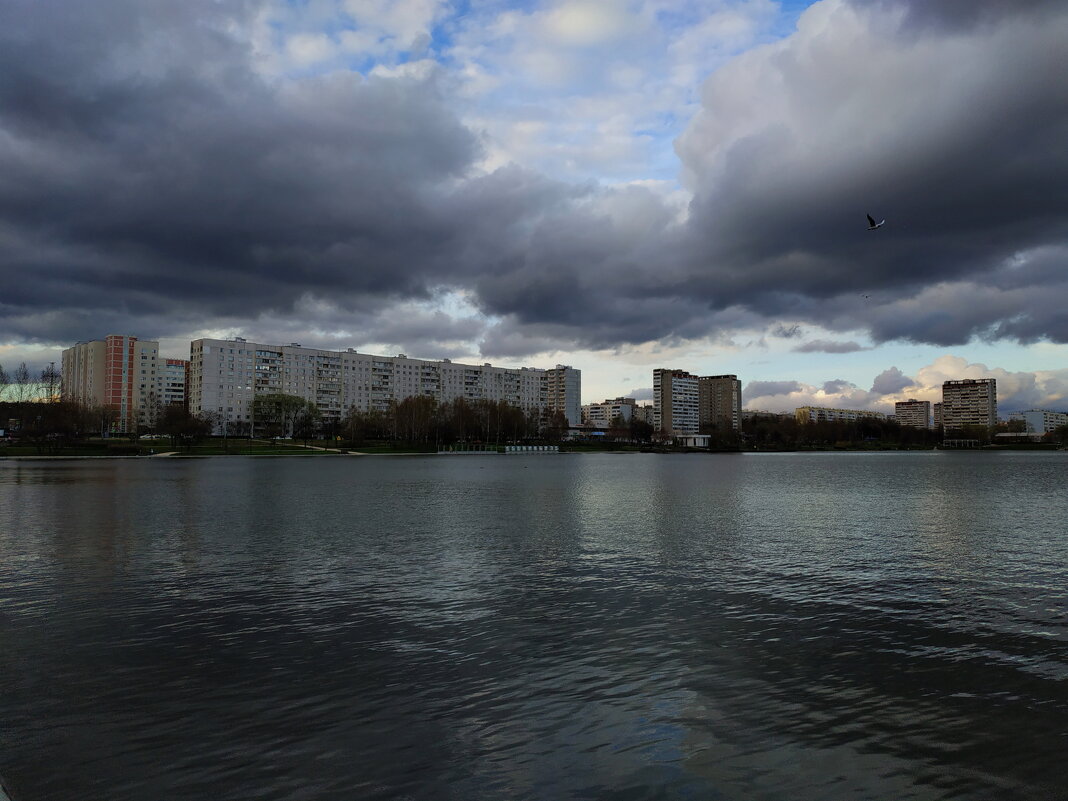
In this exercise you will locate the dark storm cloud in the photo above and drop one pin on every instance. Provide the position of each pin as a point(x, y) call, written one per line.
point(836, 386)
point(828, 346)
point(890, 381)
point(954, 133)
point(147, 167)
point(758, 389)
point(153, 181)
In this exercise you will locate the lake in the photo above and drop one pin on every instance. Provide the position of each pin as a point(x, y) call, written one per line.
point(616, 626)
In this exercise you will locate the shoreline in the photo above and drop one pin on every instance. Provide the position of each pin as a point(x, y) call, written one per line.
point(304, 455)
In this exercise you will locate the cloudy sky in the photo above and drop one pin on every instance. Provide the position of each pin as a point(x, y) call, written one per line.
point(614, 185)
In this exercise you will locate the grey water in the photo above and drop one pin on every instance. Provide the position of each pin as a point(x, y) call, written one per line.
point(793, 626)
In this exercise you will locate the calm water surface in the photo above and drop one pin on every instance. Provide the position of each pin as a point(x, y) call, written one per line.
point(810, 626)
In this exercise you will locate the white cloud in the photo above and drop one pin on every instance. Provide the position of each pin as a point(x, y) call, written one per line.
point(1016, 389)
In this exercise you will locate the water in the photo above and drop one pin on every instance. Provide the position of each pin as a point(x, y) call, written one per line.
point(807, 626)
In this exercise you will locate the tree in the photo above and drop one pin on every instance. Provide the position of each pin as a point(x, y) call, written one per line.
point(275, 414)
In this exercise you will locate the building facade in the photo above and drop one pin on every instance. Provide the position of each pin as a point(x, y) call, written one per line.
point(119, 372)
point(563, 386)
point(225, 376)
point(720, 402)
point(820, 414)
point(601, 415)
point(1041, 421)
point(174, 375)
point(676, 402)
point(969, 402)
point(936, 416)
point(913, 413)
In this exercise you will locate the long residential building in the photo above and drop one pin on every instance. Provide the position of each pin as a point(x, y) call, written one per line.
point(226, 375)
point(120, 373)
point(969, 402)
point(601, 415)
point(913, 413)
point(821, 414)
point(1041, 421)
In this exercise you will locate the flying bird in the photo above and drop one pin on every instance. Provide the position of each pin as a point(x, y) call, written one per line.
point(872, 225)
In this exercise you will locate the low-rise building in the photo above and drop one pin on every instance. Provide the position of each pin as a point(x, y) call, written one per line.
point(602, 415)
point(821, 414)
point(1040, 421)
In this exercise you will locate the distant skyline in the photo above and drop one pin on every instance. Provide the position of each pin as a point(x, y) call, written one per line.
point(613, 185)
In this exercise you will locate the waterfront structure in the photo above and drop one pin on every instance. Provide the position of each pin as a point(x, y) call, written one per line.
point(719, 402)
point(676, 402)
point(563, 392)
point(226, 375)
point(1040, 421)
point(969, 402)
point(820, 414)
point(601, 415)
point(936, 416)
point(913, 413)
point(174, 375)
point(119, 372)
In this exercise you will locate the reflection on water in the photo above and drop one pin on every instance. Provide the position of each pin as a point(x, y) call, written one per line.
point(801, 626)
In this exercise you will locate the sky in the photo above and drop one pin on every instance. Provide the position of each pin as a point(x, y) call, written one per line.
point(617, 186)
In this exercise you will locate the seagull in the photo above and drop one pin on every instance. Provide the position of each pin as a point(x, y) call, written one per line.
point(872, 225)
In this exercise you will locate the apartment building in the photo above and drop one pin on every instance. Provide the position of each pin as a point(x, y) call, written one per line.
point(1041, 421)
point(720, 402)
point(936, 416)
point(820, 414)
point(601, 415)
point(913, 413)
point(676, 402)
point(174, 375)
point(226, 375)
point(563, 392)
point(120, 372)
point(969, 402)
point(644, 413)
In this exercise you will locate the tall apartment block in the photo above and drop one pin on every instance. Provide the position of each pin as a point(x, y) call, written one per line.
point(913, 413)
point(121, 372)
point(720, 402)
point(936, 416)
point(226, 375)
point(822, 414)
point(969, 402)
point(563, 386)
point(174, 375)
point(676, 402)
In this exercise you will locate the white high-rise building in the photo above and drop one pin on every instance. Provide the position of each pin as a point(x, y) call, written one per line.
point(676, 397)
point(226, 375)
point(969, 402)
